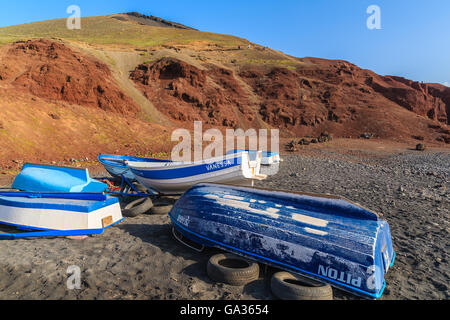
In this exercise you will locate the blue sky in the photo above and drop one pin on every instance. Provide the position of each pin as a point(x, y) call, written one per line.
point(413, 42)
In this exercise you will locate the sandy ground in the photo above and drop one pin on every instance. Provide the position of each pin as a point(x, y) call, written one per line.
point(139, 259)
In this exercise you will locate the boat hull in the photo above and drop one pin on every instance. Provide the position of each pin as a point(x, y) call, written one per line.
point(119, 172)
point(176, 178)
point(84, 213)
point(327, 239)
point(45, 178)
point(115, 164)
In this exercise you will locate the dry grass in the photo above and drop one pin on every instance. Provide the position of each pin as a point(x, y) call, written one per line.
point(105, 30)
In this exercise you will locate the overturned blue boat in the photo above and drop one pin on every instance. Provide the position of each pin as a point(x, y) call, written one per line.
point(326, 238)
point(46, 178)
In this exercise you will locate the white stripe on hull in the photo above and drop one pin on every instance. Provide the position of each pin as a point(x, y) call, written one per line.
point(59, 219)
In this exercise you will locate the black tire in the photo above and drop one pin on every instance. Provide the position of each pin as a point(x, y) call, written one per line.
point(161, 209)
point(287, 286)
point(137, 207)
point(139, 187)
point(231, 269)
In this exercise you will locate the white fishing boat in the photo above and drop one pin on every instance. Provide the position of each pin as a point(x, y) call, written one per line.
point(177, 177)
point(58, 214)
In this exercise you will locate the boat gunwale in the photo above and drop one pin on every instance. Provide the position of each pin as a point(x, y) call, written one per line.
point(100, 200)
point(42, 232)
point(115, 163)
point(287, 192)
point(53, 166)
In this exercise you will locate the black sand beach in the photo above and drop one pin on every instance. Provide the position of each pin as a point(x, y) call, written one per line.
point(139, 259)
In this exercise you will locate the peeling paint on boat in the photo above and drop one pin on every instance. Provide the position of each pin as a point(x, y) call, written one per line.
point(326, 238)
point(234, 197)
point(246, 206)
point(309, 220)
point(315, 231)
point(239, 202)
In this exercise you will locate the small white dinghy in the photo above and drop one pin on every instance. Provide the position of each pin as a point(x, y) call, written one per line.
point(58, 214)
point(177, 177)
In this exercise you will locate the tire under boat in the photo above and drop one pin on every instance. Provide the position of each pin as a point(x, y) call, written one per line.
point(326, 238)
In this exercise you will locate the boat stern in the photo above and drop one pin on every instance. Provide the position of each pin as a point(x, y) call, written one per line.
point(383, 259)
point(384, 248)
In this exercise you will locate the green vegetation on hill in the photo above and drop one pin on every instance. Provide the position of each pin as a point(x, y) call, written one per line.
point(107, 30)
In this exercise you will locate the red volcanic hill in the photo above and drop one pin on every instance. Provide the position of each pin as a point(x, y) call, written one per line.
point(315, 96)
point(53, 71)
point(186, 93)
point(123, 82)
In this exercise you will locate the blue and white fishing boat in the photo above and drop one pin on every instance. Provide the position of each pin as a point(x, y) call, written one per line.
point(58, 214)
point(326, 238)
point(45, 178)
point(177, 177)
point(267, 157)
point(116, 164)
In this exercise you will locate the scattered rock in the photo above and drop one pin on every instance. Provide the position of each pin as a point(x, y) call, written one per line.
point(445, 139)
point(303, 142)
point(291, 146)
point(77, 237)
point(421, 147)
point(325, 137)
point(367, 136)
